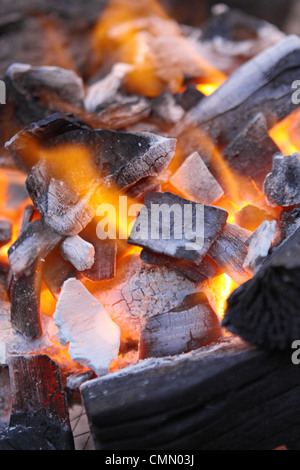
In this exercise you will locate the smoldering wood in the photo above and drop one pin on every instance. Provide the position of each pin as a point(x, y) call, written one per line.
point(251, 153)
point(265, 310)
point(166, 241)
point(189, 326)
point(281, 186)
point(207, 269)
point(263, 82)
point(39, 418)
point(195, 181)
point(229, 252)
point(259, 244)
point(139, 291)
point(210, 399)
point(5, 232)
point(79, 252)
point(35, 242)
point(56, 271)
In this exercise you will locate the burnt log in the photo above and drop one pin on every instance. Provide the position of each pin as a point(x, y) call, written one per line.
point(39, 417)
point(164, 225)
point(265, 310)
point(189, 326)
point(227, 396)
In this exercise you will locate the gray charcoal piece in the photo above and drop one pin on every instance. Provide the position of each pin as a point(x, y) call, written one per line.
point(195, 181)
point(5, 232)
point(79, 252)
point(189, 326)
point(167, 212)
point(282, 186)
point(259, 245)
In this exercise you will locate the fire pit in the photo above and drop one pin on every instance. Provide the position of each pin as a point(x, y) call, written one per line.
point(149, 231)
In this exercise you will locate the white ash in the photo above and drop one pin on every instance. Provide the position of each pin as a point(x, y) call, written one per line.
point(94, 339)
point(79, 252)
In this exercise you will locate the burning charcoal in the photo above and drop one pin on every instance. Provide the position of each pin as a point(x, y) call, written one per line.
point(251, 152)
point(5, 397)
point(164, 236)
point(231, 37)
point(191, 392)
point(189, 326)
point(139, 189)
point(207, 269)
point(165, 108)
point(282, 186)
point(57, 271)
point(35, 242)
point(265, 310)
point(263, 82)
point(259, 244)
point(5, 232)
point(39, 418)
point(39, 90)
point(289, 221)
point(251, 217)
point(82, 321)
point(195, 181)
point(79, 252)
point(229, 252)
point(140, 291)
point(189, 98)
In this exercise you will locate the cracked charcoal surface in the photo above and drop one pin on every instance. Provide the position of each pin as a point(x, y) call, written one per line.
point(282, 186)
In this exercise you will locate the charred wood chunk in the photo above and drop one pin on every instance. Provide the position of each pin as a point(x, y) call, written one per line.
point(84, 323)
point(39, 418)
point(282, 185)
point(5, 232)
point(229, 252)
point(289, 221)
point(251, 152)
point(35, 242)
point(25, 295)
point(195, 181)
point(189, 98)
point(177, 227)
point(79, 252)
point(56, 271)
point(207, 269)
point(189, 326)
point(191, 393)
point(264, 82)
point(265, 310)
point(259, 244)
point(104, 266)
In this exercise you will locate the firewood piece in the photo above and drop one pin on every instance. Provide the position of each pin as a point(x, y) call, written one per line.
point(94, 339)
point(251, 217)
point(207, 269)
point(56, 271)
point(210, 399)
point(282, 185)
point(265, 310)
point(264, 82)
point(229, 252)
point(195, 181)
point(139, 291)
point(79, 252)
point(189, 326)
point(39, 418)
point(35, 242)
point(259, 244)
point(5, 232)
point(165, 240)
point(251, 152)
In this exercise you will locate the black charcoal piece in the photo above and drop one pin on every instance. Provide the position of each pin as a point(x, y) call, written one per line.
point(57, 271)
point(207, 269)
point(251, 152)
point(189, 98)
point(5, 232)
point(39, 417)
point(265, 310)
point(289, 220)
point(177, 227)
point(189, 326)
point(282, 186)
point(229, 252)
